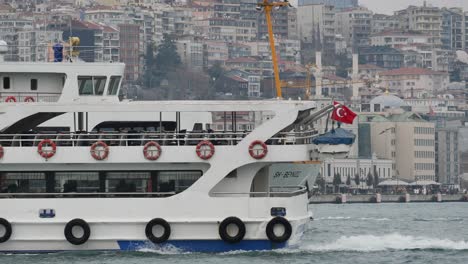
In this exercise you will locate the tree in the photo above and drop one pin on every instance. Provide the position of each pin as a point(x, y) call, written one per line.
point(357, 179)
point(167, 58)
point(376, 179)
point(370, 179)
point(216, 71)
point(348, 180)
point(336, 181)
point(320, 181)
point(149, 66)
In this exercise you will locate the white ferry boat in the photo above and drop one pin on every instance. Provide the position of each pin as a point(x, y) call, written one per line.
point(122, 184)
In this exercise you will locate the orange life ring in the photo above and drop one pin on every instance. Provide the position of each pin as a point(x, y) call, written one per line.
point(152, 150)
point(10, 99)
point(258, 149)
point(99, 150)
point(2, 152)
point(205, 150)
point(29, 99)
point(47, 154)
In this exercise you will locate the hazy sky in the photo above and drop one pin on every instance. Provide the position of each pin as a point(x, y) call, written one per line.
point(388, 6)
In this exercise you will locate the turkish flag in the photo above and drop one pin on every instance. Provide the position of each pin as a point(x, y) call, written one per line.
point(342, 114)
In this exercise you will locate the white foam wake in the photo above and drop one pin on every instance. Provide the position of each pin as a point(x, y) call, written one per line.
point(366, 243)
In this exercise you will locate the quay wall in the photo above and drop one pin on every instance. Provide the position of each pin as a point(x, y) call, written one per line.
point(386, 198)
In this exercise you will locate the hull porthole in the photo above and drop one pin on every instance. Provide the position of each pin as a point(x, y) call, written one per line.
point(158, 230)
point(77, 231)
point(232, 230)
point(5, 234)
point(278, 230)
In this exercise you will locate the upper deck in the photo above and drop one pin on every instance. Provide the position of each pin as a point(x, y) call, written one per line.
point(62, 82)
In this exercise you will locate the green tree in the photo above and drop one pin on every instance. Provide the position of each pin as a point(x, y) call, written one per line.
point(320, 181)
point(215, 71)
point(357, 179)
point(348, 180)
point(167, 58)
point(370, 179)
point(149, 66)
point(336, 181)
point(376, 179)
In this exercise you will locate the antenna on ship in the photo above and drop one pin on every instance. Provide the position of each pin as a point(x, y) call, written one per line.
point(267, 7)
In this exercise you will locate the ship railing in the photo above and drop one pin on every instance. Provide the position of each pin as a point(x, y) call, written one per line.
point(88, 195)
point(274, 191)
point(140, 139)
point(26, 97)
point(44, 53)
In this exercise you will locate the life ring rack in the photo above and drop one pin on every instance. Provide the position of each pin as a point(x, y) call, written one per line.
point(99, 150)
point(258, 149)
point(10, 99)
point(205, 150)
point(29, 99)
point(152, 150)
point(46, 154)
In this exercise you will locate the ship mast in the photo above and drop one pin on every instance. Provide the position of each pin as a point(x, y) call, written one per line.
point(267, 7)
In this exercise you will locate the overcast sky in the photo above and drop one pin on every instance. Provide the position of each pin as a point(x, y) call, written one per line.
point(388, 6)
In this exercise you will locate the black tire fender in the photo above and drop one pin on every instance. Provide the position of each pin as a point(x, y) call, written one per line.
point(223, 233)
point(271, 226)
point(69, 231)
point(8, 230)
point(158, 222)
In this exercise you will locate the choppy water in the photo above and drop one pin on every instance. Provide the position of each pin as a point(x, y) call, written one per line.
point(366, 233)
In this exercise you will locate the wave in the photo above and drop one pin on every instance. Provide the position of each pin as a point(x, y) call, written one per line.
point(165, 250)
point(438, 219)
point(349, 217)
point(368, 243)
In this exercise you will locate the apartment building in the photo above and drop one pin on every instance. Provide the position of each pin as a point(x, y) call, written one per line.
point(355, 25)
point(316, 23)
point(425, 19)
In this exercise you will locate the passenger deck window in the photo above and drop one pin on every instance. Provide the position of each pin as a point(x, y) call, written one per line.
point(85, 85)
point(114, 85)
point(33, 84)
point(91, 85)
point(6, 82)
point(99, 85)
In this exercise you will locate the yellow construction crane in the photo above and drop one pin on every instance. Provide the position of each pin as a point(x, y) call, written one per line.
point(306, 85)
point(267, 7)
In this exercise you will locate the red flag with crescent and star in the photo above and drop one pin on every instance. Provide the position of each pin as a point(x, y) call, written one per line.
point(342, 114)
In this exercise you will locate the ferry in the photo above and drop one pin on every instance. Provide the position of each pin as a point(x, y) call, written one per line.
point(82, 169)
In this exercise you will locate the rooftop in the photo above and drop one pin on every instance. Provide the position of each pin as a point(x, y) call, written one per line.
point(411, 71)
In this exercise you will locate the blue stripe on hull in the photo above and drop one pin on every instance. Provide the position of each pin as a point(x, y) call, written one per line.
point(202, 245)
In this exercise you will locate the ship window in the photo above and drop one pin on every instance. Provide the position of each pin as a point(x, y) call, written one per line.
point(85, 85)
point(33, 84)
point(114, 85)
point(6, 82)
point(99, 85)
point(97, 183)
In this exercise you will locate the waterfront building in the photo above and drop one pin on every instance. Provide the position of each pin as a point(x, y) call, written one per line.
point(403, 137)
point(382, 56)
point(447, 155)
point(191, 53)
point(316, 23)
point(414, 82)
point(425, 19)
point(355, 26)
point(34, 45)
point(338, 4)
point(396, 39)
point(382, 23)
point(453, 29)
point(361, 166)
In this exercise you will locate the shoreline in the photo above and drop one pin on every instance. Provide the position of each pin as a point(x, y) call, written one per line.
point(386, 198)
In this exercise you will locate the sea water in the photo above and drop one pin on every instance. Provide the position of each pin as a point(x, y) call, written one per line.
point(348, 233)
